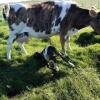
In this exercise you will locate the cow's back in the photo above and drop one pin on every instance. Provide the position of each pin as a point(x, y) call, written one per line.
point(43, 18)
point(48, 16)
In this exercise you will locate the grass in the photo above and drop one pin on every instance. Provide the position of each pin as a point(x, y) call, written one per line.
point(24, 78)
point(89, 3)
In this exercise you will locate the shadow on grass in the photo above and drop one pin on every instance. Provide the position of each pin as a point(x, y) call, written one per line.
point(3, 35)
point(98, 63)
point(16, 78)
point(86, 39)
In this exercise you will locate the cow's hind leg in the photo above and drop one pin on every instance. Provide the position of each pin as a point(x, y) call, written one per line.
point(68, 42)
point(9, 45)
point(21, 45)
point(62, 40)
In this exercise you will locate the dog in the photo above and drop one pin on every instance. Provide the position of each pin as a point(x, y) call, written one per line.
point(49, 55)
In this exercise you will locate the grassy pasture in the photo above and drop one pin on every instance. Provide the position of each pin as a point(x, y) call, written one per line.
point(23, 78)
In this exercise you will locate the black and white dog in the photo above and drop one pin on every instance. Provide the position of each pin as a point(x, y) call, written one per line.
point(49, 57)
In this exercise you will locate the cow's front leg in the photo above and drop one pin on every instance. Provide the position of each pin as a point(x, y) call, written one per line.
point(62, 41)
point(68, 42)
point(21, 45)
point(9, 45)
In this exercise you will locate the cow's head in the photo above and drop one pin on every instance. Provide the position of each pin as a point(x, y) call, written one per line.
point(95, 23)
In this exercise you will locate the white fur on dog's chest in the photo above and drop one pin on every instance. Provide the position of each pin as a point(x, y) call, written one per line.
point(45, 54)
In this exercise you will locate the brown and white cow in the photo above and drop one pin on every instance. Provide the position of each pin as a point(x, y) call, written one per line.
point(46, 19)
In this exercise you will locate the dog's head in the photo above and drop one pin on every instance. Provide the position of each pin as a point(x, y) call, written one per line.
point(49, 53)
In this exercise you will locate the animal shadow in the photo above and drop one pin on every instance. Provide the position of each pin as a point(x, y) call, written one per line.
point(26, 75)
point(86, 39)
point(98, 63)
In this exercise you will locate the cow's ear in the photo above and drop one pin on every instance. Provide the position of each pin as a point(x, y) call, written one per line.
point(93, 12)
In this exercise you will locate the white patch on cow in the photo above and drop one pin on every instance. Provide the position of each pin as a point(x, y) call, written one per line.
point(27, 20)
point(17, 6)
point(53, 22)
point(72, 31)
point(56, 29)
point(67, 37)
point(45, 53)
point(6, 11)
point(18, 28)
point(65, 8)
point(33, 33)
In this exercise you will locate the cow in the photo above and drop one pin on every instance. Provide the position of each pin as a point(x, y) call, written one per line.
point(46, 19)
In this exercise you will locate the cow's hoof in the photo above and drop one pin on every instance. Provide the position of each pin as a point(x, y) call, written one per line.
point(9, 57)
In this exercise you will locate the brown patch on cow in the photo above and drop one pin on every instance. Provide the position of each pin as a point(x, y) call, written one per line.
point(44, 14)
point(17, 17)
point(12, 16)
point(76, 18)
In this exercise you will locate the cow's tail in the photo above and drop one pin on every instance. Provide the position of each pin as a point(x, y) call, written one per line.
point(4, 13)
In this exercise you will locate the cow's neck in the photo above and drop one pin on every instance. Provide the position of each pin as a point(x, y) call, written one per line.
point(82, 19)
point(77, 18)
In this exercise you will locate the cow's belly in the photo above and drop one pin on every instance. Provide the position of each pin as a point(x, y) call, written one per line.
point(17, 28)
point(42, 35)
point(33, 33)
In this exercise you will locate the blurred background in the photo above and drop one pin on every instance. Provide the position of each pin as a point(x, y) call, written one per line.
point(84, 3)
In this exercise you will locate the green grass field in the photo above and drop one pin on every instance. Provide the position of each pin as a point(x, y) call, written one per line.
point(23, 78)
